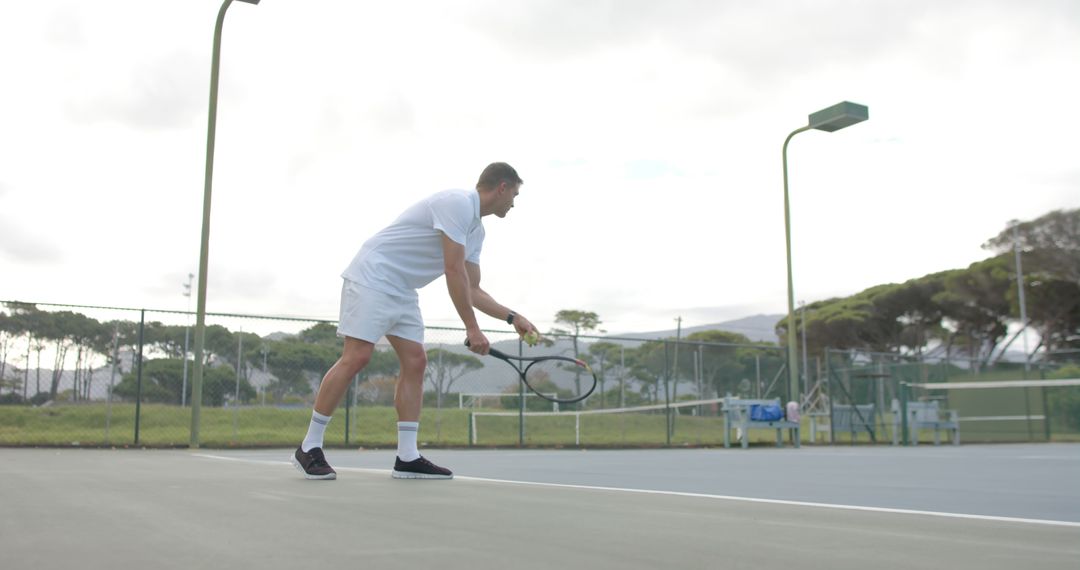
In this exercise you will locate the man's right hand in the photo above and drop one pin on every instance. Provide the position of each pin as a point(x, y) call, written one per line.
point(477, 342)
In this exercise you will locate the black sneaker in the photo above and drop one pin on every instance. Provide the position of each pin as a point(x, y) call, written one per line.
point(419, 468)
point(313, 464)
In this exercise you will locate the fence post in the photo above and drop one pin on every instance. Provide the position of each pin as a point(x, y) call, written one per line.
point(829, 388)
point(472, 428)
point(348, 407)
point(138, 375)
point(667, 397)
point(1045, 404)
point(904, 386)
point(521, 401)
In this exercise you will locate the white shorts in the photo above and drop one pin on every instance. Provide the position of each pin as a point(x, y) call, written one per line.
point(367, 314)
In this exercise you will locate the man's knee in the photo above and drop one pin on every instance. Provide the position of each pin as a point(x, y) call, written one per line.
point(355, 357)
point(414, 361)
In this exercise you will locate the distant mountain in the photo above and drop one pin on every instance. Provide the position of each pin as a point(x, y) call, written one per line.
point(758, 328)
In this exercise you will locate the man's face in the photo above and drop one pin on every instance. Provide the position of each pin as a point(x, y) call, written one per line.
point(507, 193)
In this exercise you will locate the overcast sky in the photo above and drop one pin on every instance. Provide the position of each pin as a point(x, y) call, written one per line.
point(648, 133)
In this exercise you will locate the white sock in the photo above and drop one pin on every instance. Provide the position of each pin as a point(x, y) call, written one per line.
point(315, 431)
point(406, 440)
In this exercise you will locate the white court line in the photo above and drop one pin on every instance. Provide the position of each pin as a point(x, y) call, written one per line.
point(940, 514)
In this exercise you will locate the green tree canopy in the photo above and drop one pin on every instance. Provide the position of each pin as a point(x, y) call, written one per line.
point(1050, 243)
point(162, 382)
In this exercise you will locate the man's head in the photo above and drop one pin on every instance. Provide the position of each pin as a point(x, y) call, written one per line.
point(499, 183)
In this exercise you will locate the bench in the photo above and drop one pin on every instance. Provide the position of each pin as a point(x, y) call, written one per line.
point(737, 416)
point(854, 419)
point(925, 415)
point(819, 423)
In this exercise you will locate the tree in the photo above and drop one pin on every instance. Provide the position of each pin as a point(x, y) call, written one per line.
point(607, 356)
point(162, 381)
point(1053, 310)
point(884, 318)
point(648, 365)
point(295, 365)
point(834, 323)
point(975, 304)
point(321, 333)
point(579, 322)
point(1050, 253)
point(1050, 243)
point(9, 330)
point(378, 390)
point(445, 367)
point(726, 360)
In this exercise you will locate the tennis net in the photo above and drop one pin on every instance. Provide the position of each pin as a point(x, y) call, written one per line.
point(691, 422)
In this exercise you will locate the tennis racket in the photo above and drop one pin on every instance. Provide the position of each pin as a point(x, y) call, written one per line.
point(536, 369)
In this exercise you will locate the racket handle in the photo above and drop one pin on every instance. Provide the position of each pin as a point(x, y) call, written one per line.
point(493, 352)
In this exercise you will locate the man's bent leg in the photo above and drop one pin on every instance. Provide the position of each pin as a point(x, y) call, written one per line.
point(309, 456)
point(354, 357)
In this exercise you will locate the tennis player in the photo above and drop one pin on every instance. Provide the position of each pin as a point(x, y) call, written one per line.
point(440, 235)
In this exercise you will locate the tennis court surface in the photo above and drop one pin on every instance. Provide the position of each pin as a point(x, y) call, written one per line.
point(975, 506)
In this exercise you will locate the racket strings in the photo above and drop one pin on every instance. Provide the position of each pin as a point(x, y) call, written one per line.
point(572, 380)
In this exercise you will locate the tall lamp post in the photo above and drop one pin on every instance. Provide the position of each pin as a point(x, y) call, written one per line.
point(204, 251)
point(843, 114)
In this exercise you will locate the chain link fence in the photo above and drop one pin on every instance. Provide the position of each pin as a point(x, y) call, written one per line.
point(101, 376)
point(106, 376)
point(869, 390)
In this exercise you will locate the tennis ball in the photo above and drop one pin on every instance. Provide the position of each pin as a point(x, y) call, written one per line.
point(532, 338)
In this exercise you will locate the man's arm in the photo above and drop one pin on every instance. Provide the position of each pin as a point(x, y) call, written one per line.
point(489, 306)
point(457, 283)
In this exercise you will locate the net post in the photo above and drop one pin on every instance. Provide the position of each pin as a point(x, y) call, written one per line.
point(1046, 414)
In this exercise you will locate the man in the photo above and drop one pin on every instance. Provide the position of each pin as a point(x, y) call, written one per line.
point(441, 235)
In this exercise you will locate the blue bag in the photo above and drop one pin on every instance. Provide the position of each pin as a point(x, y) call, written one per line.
point(766, 413)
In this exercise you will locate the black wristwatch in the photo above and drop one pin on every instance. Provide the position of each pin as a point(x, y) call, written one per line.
point(510, 318)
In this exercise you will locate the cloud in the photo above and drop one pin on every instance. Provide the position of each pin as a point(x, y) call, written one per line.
point(763, 45)
point(23, 246)
point(758, 37)
point(167, 92)
point(65, 27)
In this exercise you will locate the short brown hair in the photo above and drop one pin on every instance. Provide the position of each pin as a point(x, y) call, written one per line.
point(496, 173)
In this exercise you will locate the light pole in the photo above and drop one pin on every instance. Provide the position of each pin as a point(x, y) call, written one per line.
point(204, 251)
point(843, 114)
point(1020, 288)
point(805, 360)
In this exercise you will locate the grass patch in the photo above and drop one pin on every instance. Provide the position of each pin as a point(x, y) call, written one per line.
point(170, 426)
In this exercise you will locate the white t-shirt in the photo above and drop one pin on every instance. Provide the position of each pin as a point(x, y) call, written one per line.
point(408, 254)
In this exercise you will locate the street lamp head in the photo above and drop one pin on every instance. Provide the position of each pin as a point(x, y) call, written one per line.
point(843, 114)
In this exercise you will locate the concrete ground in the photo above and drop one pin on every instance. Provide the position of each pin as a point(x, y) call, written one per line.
point(1004, 506)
